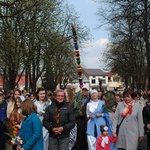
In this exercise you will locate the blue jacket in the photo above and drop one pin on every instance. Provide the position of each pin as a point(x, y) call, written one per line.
point(31, 133)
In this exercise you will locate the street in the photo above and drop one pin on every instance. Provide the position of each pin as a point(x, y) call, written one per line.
point(144, 144)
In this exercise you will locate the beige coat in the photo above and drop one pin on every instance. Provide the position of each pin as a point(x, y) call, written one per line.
point(10, 107)
point(131, 127)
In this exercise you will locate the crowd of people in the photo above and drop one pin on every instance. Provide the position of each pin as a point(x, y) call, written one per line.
point(63, 119)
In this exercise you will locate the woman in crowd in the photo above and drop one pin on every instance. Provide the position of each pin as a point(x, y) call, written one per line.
point(109, 109)
point(131, 130)
point(42, 102)
point(10, 106)
point(32, 97)
point(146, 117)
point(96, 115)
point(137, 96)
point(31, 128)
point(17, 93)
point(16, 118)
point(69, 95)
point(11, 102)
point(73, 132)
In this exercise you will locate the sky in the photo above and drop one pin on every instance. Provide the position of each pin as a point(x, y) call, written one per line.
point(92, 53)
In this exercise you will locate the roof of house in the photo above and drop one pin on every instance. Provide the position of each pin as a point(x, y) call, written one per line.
point(94, 72)
point(84, 78)
point(109, 74)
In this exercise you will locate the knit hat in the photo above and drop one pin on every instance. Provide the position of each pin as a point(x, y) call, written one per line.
point(93, 91)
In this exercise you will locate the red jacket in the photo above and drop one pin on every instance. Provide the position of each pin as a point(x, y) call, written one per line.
point(107, 146)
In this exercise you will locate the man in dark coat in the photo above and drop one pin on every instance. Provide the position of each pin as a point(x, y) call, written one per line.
point(79, 105)
point(59, 119)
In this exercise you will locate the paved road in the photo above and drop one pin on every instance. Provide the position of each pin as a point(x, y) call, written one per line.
point(144, 143)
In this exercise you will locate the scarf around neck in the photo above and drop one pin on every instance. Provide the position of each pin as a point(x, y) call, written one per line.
point(104, 141)
point(128, 108)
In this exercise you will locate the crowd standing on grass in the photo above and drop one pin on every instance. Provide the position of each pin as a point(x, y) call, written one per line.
point(65, 119)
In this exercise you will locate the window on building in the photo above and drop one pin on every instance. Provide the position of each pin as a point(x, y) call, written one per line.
point(116, 79)
point(93, 81)
point(103, 81)
point(93, 76)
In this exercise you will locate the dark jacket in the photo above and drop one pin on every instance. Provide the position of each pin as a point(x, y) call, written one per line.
point(66, 119)
point(3, 106)
point(146, 117)
point(2, 129)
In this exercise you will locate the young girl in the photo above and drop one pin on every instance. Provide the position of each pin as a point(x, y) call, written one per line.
point(11, 102)
point(42, 102)
point(104, 140)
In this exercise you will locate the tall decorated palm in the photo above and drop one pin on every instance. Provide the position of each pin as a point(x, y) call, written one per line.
point(77, 103)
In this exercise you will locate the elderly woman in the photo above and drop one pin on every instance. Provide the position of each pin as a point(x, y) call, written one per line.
point(96, 116)
point(131, 130)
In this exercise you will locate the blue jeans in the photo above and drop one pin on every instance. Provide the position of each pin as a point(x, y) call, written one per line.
point(58, 144)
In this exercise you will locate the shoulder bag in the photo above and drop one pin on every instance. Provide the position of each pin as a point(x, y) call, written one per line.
point(118, 126)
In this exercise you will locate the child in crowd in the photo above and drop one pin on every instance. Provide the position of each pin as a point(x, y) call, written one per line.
point(104, 140)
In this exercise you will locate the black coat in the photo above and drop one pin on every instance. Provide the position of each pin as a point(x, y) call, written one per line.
point(66, 119)
point(3, 106)
point(146, 117)
point(2, 129)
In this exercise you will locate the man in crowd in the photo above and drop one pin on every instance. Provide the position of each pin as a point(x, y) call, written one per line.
point(59, 119)
point(79, 105)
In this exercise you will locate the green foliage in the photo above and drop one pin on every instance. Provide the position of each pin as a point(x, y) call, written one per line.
point(36, 35)
point(8, 131)
point(109, 98)
point(129, 51)
point(77, 102)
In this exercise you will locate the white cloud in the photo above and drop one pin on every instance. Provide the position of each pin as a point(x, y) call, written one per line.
point(92, 52)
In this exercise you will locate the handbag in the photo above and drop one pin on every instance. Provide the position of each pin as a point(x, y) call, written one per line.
point(118, 126)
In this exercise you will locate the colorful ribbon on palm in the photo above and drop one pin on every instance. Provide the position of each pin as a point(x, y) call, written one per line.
point(77, 54)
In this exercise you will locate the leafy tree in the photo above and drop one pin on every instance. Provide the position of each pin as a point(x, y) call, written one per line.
point(128, 55)
point(36, 39)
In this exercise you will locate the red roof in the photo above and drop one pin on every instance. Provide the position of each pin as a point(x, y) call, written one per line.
point(94, 72)
point(109, 74)
point(21, 82)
